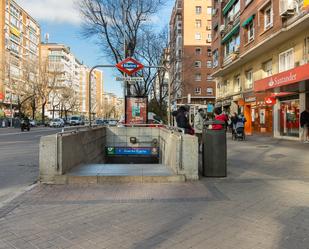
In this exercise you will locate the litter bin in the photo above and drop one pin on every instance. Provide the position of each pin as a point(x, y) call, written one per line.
point(214, 151)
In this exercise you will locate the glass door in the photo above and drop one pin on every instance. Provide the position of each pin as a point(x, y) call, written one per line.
point(289, 118)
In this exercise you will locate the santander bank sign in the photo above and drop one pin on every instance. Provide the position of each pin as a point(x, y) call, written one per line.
point(294, 75)
point(277, 81)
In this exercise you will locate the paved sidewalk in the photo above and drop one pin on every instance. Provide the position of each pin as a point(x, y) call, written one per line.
point(263, 203)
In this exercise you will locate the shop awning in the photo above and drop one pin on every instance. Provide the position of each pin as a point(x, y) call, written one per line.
point(15, 31)
point(249, 20)
point(228, 36)
point(228, 6)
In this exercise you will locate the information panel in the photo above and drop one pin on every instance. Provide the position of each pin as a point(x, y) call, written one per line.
point(136, 110)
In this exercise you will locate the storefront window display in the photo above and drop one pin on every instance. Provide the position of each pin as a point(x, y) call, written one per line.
point(289, 118)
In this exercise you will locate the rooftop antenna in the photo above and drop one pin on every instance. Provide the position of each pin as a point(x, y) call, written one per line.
point(46, 37)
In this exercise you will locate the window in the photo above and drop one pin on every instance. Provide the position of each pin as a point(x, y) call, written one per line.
point(198, 36)
point(198, 51)
point(209, 52)
point(251, 32)
point(286, 60)
point(209, 91)
point(267, 68)
point(233, 13)
point(268, 18)
point(14, 21)
point(209, 64)
point(208, 27)
point(215, 58)
point(237, 84)
point(208, 38)
point(14, 48)
point(249, 79)
point(306, 47)
point(232, 45)
point(247, 2)
point(197, 64)
point(15, 38)
point(198, 10)
point(209, 10)
point(198, 77)
point(198, 23)
point(209, 77)
point(198, 90)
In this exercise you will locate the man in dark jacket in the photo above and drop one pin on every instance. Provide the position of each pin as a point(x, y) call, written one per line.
point(182, 120)
point(304, 123)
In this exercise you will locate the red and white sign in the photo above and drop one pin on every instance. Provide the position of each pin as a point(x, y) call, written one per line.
point(129, 66)
point(270, 101)
point(294, 75)
point(1, 97)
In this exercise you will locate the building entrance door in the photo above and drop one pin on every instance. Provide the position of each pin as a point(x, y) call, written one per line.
point(289, 118)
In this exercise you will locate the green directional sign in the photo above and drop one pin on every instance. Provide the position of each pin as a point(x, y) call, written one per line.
point(110, 151)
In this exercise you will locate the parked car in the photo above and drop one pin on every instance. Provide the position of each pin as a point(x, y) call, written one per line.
point(76, 120)
point(112, 122)
point(33, 123)
point(99, 122)
point(57, 122)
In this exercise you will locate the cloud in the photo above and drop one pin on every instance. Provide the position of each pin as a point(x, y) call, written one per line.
point(58, 11)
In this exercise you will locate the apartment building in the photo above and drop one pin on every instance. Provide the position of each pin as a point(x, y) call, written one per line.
point(190, 53)
point(113, 107)
point(70, 91)
point(19, 55)
point(260, 59)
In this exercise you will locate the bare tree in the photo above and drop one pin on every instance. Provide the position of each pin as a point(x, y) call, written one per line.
point(113, 21)
point(49, 83)
point(68, 101)
point(20, 77)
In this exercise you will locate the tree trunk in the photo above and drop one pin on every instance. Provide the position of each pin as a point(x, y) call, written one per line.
point(43, 113)
point(33, 107)
point(53, 111)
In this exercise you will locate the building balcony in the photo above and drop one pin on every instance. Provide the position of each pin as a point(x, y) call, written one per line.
point(230, 58)
point(235, 21)
point(291, 11)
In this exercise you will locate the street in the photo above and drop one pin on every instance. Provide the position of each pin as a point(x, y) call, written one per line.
point(19, 159)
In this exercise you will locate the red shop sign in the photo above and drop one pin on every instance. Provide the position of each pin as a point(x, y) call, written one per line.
point(1, 97)
point(294, 75)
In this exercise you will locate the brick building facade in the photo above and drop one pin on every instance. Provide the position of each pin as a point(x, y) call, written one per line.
point(256, 41)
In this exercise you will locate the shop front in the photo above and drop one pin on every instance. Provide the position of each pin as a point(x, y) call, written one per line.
point(258, 113)
point(290, 90)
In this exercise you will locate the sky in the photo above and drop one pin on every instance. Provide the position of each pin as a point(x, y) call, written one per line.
point(61, 20)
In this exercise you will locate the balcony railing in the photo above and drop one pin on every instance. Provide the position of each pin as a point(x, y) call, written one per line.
point(230, 58)
point(231, 24)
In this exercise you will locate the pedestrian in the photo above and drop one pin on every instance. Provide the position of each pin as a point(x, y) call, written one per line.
point(183, 121)
point(219, 116)
point(304, 123)
point(198, 126)
point(234, 119)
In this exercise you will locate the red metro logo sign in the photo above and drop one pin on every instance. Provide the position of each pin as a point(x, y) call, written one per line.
point(129, 66)
point(270, 101)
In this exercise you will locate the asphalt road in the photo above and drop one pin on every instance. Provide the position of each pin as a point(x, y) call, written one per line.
point(19, 159)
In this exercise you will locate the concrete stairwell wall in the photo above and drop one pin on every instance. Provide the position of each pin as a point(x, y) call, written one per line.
point(180, 153)
point(60, 153)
